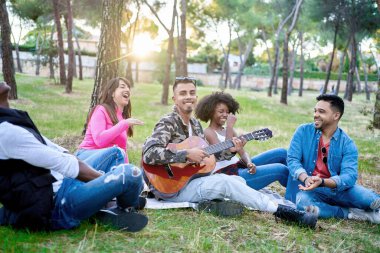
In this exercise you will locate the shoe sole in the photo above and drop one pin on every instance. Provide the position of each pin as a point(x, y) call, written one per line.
point(221, 208)
point(130, 222)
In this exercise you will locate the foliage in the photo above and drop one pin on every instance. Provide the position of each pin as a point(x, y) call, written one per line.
point(207, 54)
point(35, 10)
point(92, 15)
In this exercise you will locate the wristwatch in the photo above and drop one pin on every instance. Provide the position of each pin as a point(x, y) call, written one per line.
point(323, 183)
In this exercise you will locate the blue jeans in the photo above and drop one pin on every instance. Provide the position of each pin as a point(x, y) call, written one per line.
point(270, 167)
point(102, 159)
point(220, 186)
point(334, 203)
point(76, 200)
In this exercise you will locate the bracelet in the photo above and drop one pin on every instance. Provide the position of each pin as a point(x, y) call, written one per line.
point(323, 183)
point(305, 179)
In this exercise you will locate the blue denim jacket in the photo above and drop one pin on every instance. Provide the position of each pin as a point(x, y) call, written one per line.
point(342, 160)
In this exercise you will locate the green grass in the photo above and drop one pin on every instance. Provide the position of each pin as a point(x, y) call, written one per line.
point(60, 116)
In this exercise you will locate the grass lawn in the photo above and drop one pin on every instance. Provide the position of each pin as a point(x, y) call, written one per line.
point(60, 117)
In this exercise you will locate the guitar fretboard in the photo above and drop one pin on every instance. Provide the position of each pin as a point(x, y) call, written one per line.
point(262, 134)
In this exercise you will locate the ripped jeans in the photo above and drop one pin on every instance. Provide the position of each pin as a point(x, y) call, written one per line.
point(76, 200)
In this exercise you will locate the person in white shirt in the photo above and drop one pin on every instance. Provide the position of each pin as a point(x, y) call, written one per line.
point(45, 187)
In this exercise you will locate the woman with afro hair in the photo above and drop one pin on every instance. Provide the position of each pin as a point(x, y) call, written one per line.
point(220, 110)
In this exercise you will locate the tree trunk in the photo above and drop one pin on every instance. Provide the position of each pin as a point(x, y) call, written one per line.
point(6, 49)
point(274, 75)
point(284, 97)
point(19, 66)
point(227, 69)
point(274, 68)
point(275, 84)
point(51, 56)
point(182, 45)
point(129, 73)
point(291, 78)
point(331, 60)
point(70, 47)
point(166, 83)
point(61, 52)
point(137, 72)
point(224, 67)
point(292, 68)
point(341, 65)
point(300, 91)
point(38, 51)
point(359, 87)
point(79, 53)
point(376, 113)
point(351, 72)
point(107, 64)
point(176, 54)
point(248, 50)
point(130, 39)
point(264, 36)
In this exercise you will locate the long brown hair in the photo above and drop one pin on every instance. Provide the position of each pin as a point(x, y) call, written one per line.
point(106, 100)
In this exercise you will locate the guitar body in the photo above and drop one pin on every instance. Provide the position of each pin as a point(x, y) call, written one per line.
point(182, 173)
point(171, 178)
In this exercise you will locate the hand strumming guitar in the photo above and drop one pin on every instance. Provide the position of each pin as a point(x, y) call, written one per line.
point(196, 155)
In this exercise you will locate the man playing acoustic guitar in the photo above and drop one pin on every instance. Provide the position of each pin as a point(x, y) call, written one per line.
point(159, 159)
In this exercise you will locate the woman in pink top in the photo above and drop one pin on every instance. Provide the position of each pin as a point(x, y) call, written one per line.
point(108, 127)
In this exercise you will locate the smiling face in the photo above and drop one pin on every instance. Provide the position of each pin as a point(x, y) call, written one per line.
point(220, 114)
point(185, 98)
point(121, 95)
point(325, 116)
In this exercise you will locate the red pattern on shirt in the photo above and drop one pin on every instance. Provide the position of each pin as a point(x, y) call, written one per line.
point(321, 168)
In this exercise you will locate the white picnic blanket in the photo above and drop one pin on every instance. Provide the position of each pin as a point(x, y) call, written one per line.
point(163, 204)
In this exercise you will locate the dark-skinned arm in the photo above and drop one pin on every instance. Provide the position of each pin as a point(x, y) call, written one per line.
point(86, 173)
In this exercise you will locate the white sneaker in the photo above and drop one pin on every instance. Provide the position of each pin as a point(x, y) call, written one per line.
point(360, 214)
point(375, 204)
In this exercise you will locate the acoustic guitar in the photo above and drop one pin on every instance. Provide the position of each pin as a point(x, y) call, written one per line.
point(171, 178)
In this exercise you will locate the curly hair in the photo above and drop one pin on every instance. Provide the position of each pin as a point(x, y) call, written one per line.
point(206, 106)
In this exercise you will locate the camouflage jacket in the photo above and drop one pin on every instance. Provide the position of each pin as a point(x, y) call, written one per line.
point(172, 129)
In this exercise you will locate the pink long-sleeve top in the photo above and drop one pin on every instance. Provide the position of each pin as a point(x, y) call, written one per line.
point(101, 133)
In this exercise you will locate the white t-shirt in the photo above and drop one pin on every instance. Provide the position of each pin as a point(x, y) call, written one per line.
point(18, 143)
point(224, 163)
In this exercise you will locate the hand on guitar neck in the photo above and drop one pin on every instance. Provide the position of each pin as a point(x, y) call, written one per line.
point(239, 143)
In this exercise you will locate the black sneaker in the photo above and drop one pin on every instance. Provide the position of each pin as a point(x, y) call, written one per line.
point(142, 203)
point(308, 219)
point(221, 207)
point(123, 220)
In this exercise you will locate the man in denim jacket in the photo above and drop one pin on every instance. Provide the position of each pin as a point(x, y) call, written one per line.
point(323, 164)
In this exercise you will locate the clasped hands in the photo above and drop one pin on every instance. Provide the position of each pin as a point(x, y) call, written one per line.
point(311, 183)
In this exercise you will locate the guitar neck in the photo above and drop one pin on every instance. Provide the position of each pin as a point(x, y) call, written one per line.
point(229, 144)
